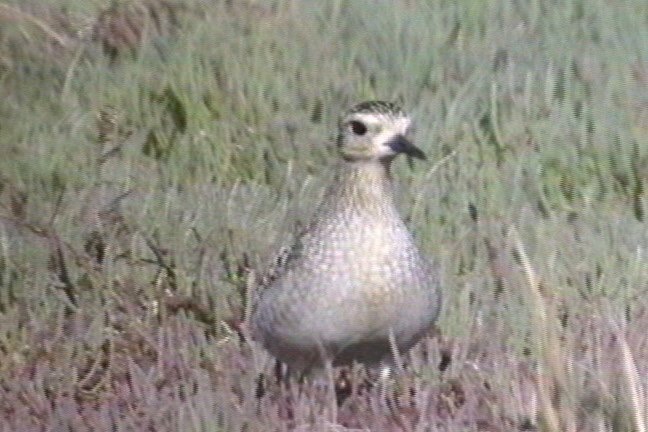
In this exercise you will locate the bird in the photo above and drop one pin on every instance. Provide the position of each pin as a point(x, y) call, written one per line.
point(353, 283)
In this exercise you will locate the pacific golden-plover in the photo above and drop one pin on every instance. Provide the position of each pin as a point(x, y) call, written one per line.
point(353, 284)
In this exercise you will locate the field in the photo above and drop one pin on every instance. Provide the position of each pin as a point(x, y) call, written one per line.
point(155, 154)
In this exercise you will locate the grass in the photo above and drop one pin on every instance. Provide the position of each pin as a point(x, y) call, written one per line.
point(156, 154)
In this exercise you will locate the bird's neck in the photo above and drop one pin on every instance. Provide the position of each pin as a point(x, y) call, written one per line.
point(361, 186)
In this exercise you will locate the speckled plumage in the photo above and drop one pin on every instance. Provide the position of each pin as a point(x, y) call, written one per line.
point(354, 275)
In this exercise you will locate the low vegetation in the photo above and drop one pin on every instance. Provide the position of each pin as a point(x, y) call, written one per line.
point(155, 154)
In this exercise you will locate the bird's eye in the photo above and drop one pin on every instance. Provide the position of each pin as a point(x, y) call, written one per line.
point(357, 127)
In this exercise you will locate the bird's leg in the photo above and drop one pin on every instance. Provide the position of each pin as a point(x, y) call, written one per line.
point(396, 358)
point(327, 361)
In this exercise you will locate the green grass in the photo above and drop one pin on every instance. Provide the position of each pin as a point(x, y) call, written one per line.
point(143, 178)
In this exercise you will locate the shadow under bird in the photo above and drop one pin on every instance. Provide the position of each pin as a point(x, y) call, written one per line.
point(353, 284)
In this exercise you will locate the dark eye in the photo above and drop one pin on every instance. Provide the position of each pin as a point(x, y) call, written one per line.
point(357, 127)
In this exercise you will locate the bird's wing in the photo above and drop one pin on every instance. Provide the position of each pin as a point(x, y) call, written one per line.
point(283, 262)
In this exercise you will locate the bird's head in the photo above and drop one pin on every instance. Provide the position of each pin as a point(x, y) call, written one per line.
point(376, 131)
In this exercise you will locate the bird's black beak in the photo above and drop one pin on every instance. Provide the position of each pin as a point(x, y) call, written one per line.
point(400, 144)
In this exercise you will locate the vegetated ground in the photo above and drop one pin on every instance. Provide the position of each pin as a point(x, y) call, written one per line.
point(155, 154)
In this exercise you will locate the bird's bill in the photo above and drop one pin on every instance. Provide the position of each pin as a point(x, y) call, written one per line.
point(400, 144)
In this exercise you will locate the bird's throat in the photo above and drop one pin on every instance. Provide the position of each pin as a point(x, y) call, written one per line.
point(361, 186)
